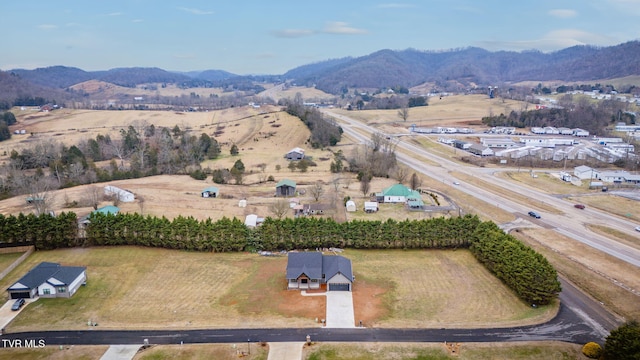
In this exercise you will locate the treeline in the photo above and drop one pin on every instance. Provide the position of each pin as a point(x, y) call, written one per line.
point(324, 131)
point(6, 119)
point(140, 150)
point(521, 268)
point(593, 118)
point(45, 231)
point(526, 272)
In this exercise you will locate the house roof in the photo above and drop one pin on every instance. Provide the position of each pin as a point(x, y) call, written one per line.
point(45, 271)
point(211, 189)
point(308, 263)
point(109, 209)
point(582, 168)
point(315, 264)
point(286, 182)
point(397, 190)
point(296, 150)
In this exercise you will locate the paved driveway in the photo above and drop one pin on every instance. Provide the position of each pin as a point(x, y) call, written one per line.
point(7, 315)
point(340, 309)
point(121, 352)
point(285, 350)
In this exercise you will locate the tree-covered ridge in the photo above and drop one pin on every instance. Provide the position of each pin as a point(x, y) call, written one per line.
point(522, 269)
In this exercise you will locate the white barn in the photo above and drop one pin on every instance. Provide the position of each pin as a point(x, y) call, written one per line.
point(123, 195)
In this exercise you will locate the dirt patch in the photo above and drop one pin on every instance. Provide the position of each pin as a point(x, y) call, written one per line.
point(368, 302)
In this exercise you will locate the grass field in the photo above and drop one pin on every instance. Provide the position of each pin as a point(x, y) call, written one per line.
point(415, 351)
point(84, 352)
point(204, 352)
point(144, 288)
point(8, 259)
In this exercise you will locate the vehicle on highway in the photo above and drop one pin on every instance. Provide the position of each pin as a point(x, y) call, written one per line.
point(578, 206)
point(17, 305)
point(534, 214)
point(456, 183)
point(637, 228)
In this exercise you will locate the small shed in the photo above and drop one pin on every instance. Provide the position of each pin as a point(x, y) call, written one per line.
point(351, 206)
point(286, 187)
point(211, 191)
point(242, 203)
point(251, 220)
point(370, 206)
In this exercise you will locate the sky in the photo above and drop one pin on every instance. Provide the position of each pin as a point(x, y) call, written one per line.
point(274, 36)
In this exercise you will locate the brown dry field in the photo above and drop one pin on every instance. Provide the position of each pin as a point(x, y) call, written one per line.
point(457, 111)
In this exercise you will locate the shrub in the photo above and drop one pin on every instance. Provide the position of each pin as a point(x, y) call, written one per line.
point(198, 174)
point(592, 350)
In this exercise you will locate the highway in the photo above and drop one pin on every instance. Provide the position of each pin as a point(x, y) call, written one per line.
point(569, 223)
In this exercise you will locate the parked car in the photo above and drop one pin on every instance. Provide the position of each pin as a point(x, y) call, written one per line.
point(17, 305)
point(578, 206)
point(534, 214)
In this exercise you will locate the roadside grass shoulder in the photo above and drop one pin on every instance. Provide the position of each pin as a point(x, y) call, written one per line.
point(432, 351)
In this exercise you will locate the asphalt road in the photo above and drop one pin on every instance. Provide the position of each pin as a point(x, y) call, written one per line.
point(580, 319)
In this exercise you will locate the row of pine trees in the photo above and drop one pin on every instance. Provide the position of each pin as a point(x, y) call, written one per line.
point(525, 271)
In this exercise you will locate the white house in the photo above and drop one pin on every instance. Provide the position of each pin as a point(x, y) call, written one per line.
point(49, 280)
point(123, 195)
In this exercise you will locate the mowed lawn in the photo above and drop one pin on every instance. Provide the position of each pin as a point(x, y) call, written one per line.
point(440, 288)
point(137, 288)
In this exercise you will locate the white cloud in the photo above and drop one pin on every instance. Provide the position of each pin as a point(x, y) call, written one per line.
point(114, 14)
point(195, 11)
point(293, 33)
point(563, 13)
point(342, 28)
point(137, 20)
point(47, 27)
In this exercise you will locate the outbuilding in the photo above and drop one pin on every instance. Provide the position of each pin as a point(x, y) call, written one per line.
point(351, 206)
point(211, 191)
point(286, 187)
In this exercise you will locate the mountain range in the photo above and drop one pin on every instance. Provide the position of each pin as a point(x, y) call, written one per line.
point(382, 69)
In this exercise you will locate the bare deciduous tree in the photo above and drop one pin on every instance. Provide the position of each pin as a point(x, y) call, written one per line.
point(279, 208)
point(403, 113)
point(365, 185)
point(316, 190)
point(415, 182)
point(401, 173)
point(93, 196)
point(39, 196)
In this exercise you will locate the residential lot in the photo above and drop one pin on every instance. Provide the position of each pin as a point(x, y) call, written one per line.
point(132, 287)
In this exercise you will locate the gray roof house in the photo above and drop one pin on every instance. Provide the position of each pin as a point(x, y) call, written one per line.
point(49, 280)
point(309, 270)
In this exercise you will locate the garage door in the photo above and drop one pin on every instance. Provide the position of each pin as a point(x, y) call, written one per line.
point(338, 287)
point(18, 295)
